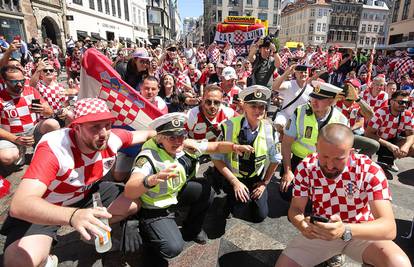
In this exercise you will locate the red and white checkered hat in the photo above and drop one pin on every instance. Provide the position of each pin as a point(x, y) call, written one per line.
point(91, 109)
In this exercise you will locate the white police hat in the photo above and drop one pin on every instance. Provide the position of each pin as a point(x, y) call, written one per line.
point(170, 124)
point(255, 93)
point(322, 90)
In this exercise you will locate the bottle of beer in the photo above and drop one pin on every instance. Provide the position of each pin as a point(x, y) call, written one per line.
point(103, 242)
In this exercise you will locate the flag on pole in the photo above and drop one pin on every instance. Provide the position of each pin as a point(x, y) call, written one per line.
point(99, 79)
point(371, 61)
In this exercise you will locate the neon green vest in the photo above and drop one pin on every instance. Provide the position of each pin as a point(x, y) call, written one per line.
point(307, 130)
point(263, 141)
point(164, 194)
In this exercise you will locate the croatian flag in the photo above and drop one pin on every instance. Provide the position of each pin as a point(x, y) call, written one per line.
point(4, 187)
point(99, 79)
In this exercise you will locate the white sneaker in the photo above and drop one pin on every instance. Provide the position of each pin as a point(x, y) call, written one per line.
point(51, 261)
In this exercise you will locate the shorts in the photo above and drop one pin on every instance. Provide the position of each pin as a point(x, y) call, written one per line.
point(124, 163)
point(311, 252)
point(5, 144)
point(16, 229)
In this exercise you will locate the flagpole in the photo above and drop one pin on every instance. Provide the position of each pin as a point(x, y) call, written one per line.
point(371, 61)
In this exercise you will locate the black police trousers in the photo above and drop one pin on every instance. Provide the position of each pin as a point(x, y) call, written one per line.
point(158, 228)
point(294, 162)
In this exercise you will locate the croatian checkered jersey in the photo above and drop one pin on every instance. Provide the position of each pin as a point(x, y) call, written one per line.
point(70, 174)
point(197, 127)
point(389, 126)
point(348, 194)
point(15, 114)
point(54, 95)
point(380, 101)
point(352, 113)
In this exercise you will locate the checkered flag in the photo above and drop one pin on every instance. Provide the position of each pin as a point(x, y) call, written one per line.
point(239, 37)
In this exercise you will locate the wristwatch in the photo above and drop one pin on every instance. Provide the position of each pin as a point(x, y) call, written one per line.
point(347, 235)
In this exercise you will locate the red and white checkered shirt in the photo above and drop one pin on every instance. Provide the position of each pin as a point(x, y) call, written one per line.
point(284, 60)
point(214, 55)
point(73, 64)
point(201, 57)
point(70, 174)
point(228, 97)
point(298, 54)
point(319, 59)
point(29, 70)
point(389, 126)
point(348, 194)
point(15, 114)
point(403, 66)
point(54, 95)
point(380, 101)
point(230, 57)
point(197, 127)
point(352, 113)
point(169, 67)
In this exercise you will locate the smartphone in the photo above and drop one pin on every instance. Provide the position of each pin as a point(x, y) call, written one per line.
point(36, 101)
point(18, 38)
point(317, 218)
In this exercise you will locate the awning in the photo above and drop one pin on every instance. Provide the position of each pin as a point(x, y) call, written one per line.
point(82, 35)
point(406, 44)
point(96, 37)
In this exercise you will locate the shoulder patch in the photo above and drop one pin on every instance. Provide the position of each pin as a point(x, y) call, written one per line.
point(141, 162)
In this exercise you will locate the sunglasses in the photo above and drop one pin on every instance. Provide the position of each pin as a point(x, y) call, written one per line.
point(176, 138)
point(172, 49)
point(15, 82)
point(210, 102)
point(48, 70)
point(238, 65)
point(144, 62)
point(403, 102)
point(258, 106)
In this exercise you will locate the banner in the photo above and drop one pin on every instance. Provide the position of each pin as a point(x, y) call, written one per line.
point(99, 79)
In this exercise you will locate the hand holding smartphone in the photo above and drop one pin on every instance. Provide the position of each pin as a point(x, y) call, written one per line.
point(316, 218)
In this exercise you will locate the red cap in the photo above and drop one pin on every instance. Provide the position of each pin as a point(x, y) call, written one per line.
point(91, 109)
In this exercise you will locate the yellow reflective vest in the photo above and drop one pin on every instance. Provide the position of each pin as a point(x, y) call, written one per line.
point(263, 142)
point(307, 129)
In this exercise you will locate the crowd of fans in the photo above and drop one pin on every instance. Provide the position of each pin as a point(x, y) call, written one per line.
point(371, 92)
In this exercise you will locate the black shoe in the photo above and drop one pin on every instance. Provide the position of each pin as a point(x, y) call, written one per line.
point(335, 261)
point(200, 238)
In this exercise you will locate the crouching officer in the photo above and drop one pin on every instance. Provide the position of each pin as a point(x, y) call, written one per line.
point(247, 176)
point(302, 129)
point(163, 176)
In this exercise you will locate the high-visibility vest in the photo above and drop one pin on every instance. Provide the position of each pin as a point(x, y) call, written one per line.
point(307, 130)
point(165, 193)
point(263, 142)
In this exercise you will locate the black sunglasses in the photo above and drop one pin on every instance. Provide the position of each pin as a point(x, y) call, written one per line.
point(403, 102)
point(48, 70)
point(172, 49)
point(210, 102)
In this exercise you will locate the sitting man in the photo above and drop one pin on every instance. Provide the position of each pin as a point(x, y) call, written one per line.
point(21, 125)
point(204, 120)
point(228, 80)
point(351, 194)
point(60, 192)
point(375, 94)
point(393, 128)
point(163, 176)
point(248, 176)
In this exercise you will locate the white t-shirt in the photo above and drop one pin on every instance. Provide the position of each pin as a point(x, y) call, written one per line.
point(290, 90)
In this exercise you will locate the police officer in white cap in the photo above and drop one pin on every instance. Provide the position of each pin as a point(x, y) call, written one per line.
point(301, 131)
point(247, 176)
point(163, 177)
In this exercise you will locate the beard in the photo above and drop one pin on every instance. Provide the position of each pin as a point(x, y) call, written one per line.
point(97, 145)
point(332, 174)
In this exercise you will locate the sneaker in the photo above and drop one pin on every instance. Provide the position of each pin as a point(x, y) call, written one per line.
point(51, 261)
point(393, 167)
point(335, 261)
point(22, 156)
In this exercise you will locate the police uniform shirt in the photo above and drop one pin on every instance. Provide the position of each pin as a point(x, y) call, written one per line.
point(290, 129)
point(273, 152)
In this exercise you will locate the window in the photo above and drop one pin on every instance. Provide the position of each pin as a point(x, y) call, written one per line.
point(276, 4)
point(219, 16)
point(324, 27)
point(333, 20)
point(263, 3)
point(249, 2)
point(107, 10)
point(325, 12)
point(274, 19)
point(318, 38)
point(92, 4)
point(233, 2)
point(113, 7)
point(356, 22)
point(353, 36)
point(373, 40)
point(365, 15)
point(340, 20)
point(99, 5)
point(396, 10)
point(323, 38)
point(310, 38)
point(369, 28)
point(262, 16)
point(320, 12)
point(119, 8)
point(310, 27)
point(406, 7)
point(361, 41)
point(78, 2)
point(348, 21)
point(363, 27)
point(312, 13)
point(366, 40)
point(377, 17)
point(318, 27)
point(346, 36)
point(381, 29)
point(233, 13)
point(371, 16)
point(339, 35)
point(375, 28)
point(136, 16)
point(126, 10)
point(248, 12)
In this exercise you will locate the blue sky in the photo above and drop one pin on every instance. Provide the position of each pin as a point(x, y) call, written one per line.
point(190, 8)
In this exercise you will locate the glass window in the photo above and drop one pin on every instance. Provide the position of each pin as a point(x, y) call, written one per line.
point(340, 20)
point(233, 13)
point(346, 36)
point(369, 28)
point(276, 4)
point(363, 27)
point(320, 12)
point(361, 41)
point(119, 8)
point(219, 16)
point(107, 10)
point(249, 2)
point(126, 10)
point(339, 35)
point(333, 20)
point(381, 29)
point(353, 36)
point(263, 4)
point(92, 4)
point(406, 8)
point(310, 27)
point(317, 38)
point(348, 21)
point(99, 5)
point(375, 28)
point(262, 16)
point(78, 2)
point(310, 38)
point(319, 27)
point(219, 2)
point(324, 27)
point(312, 14)
point(274, 19)
point(322, 38)
point(113, 7)
point(248, 12)
point(325, 12)
point(365, 15)
point(373, 40)
point(367, 40)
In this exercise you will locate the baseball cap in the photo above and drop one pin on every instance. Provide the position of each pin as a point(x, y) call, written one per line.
point(91, 109)
point(229, 73)
point(141, 53)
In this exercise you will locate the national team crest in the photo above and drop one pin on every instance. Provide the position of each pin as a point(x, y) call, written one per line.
point(350, 189)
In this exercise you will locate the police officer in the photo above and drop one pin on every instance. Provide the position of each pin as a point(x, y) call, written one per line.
point(164, 175)
point(247, 176)
point(301, 131)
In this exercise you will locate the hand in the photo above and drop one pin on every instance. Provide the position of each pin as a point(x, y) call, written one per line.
point(394, 149)
point(332, 230)
point(162, 176)
point(191, 146)
point(291, 69)
point(404, 151)
point(25, 140)
point(240, 149)
point(272, 47)
point(86, 221)
point(307, 229)
point(287, 178)
point(241, 192)
point(62, 115)
point(14, 46)
point(258, 190)
point(352, 93)
point(37, 108)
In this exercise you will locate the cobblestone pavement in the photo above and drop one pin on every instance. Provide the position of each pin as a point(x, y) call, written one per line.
point(233, 242)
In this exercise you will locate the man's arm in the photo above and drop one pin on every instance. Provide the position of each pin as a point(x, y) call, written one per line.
point(279, 80)
point(139, 137)
point(366, 110)
point(252, 53)
point(372, 133)
point(7, 54)
point(297, 217)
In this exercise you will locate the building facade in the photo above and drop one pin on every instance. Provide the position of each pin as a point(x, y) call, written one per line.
point(345, 23)
point(159, 21)
point(402, 22)
point(100, 19)
point(139, 21)
point(193, 30)
point(373, 24)
point(306, 22)
point(216, 11)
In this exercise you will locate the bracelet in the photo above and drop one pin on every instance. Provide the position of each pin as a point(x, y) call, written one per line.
point(145, 182)
point(71, 216)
